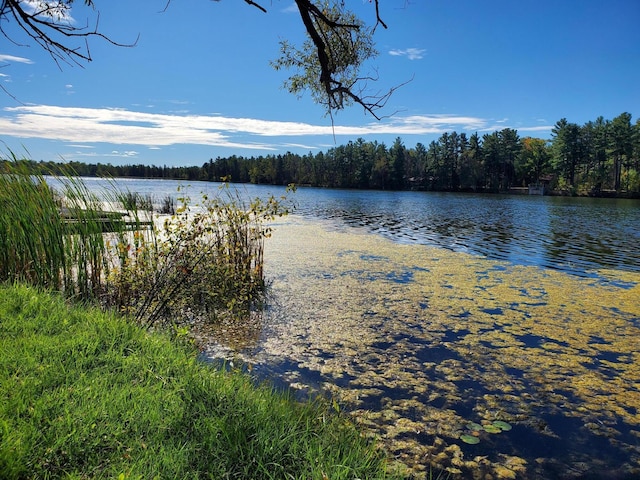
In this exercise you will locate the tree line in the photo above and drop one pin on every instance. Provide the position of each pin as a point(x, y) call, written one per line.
point(597, 158)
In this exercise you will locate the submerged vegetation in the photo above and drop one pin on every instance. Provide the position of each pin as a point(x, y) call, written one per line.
point(88, 394)
point(428, 348)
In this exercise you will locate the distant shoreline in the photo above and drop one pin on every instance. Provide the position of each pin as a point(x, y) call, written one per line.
point(521, 191)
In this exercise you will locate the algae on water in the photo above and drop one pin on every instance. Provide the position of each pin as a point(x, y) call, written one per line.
point(414, 340)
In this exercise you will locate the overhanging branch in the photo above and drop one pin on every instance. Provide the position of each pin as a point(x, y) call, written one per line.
point(317, 24)
point(47, 23)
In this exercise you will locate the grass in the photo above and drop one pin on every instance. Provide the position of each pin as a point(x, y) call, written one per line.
point(53, 238)
point(88, 394)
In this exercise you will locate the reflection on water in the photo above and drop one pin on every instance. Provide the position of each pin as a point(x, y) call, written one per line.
point(570, 234)
point(575, 235)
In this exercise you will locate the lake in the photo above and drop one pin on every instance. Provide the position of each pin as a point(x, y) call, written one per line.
point(575, 235)
point(491, 336)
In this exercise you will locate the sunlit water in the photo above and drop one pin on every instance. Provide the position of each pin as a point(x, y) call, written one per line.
point(424, 314)
point(575, 235)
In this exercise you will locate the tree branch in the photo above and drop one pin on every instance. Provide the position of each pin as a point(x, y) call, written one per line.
point(254, 4)
point(319, 27)
point(378, 19)
point(339, 44)
point(43, 25)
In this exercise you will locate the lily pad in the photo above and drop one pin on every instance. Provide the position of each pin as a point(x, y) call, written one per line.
point(470, 439)
point(476, 427)
point(504, 426)
point(492, 428)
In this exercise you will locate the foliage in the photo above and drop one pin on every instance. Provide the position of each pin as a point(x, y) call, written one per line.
point(533, 161)
point(328, 64)
point(49, 239)
point(49, 24)
point(337, 46)
point(204, 259)
point(84, 394)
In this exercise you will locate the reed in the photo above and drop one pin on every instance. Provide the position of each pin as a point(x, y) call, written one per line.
point(108, 248)
point(53, 238)
point(32, 237)
point(134, 201)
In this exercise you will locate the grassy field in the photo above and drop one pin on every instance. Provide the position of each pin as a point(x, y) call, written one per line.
point(88, 394)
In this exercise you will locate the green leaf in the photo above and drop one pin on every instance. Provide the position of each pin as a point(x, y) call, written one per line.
point(470, 439)
point(492, 429)
point(476, 427)
point(504, 426)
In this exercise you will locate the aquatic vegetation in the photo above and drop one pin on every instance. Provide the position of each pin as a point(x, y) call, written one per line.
point(504, 426)
point(552, 353)
point(491, 428)
point(470, 439)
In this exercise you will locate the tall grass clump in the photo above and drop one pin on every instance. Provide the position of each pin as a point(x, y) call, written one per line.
point(51, 238)
point(167, 205)
point(205, 259)
point(134, 201)
point(32, 240)
point(107, 248)
point(88, 394)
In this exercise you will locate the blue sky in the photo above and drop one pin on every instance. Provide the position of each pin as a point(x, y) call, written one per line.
point(198, 84)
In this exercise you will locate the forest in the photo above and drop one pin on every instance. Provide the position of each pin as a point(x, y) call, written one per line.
point(599, 158)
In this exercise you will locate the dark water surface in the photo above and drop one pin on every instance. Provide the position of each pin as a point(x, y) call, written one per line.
point(574, 235)
point(482, 308)
point(570, 234)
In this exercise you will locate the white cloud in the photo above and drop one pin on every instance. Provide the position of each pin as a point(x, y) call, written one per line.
point(60, 11)
point(86, 126)
point(495, 127)
point(420, 124)
point(410, 53)
point(117, 126)
point(300, 146)
point(126, 153)
point(13, 58)
point(80, 146)
point(114, 126)
point(540, 128)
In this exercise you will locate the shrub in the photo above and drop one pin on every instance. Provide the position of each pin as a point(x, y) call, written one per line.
point(205, 259)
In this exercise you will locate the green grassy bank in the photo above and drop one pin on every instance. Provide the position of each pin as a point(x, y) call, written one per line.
point(88, 394)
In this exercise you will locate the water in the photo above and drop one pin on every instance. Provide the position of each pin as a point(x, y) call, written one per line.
point(574, 235)
point(422, 312)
